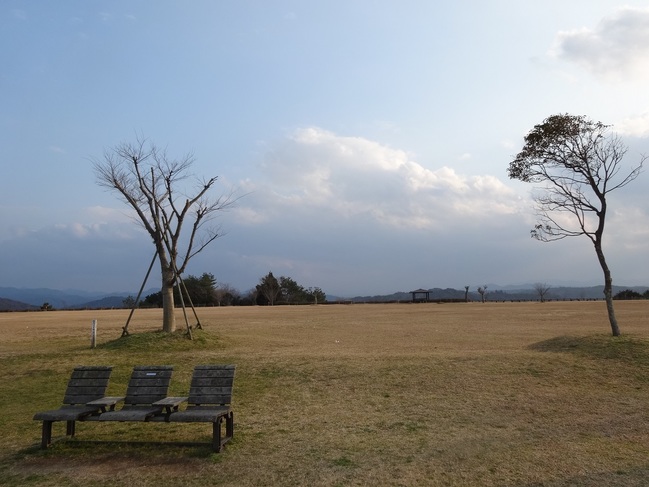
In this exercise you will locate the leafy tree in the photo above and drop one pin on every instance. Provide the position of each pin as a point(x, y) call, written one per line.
point(466, 294)
point(153, 300)
point(542, 290)
point(202, 290)
point(149, 182)
point(46, 307)
point(268, 289)
point(285, 290)
point(290, 291)
point(578, 163)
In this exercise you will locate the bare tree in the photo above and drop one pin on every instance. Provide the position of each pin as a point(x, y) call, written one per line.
point(226, 294)
point(482, 291)
point(149, 182)
point(542, 290)
point(578, 161)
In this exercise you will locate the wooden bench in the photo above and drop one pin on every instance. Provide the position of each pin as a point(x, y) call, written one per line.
point(209, 401)
point(84, 396)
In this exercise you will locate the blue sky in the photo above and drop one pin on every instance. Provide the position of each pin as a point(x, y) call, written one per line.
point(369, 140)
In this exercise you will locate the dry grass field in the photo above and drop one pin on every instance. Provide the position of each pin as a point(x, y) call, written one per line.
point(495, 394)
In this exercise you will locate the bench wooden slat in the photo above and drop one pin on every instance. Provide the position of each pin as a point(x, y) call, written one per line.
point(91, 372)
point(213, 400)
point(146, 391)
point(213, 382)
point(214, 373)
point(149, 381)
point(194, 391)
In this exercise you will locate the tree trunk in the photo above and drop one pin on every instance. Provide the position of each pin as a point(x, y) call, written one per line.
point(608, 289)
point(168, 310)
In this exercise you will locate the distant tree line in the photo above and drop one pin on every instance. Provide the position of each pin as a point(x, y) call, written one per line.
point(204, 291)
point(630, 294)
point(271, 291)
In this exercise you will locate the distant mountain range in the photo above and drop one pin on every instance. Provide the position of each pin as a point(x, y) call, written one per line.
point(11, 305)
point(22, 299)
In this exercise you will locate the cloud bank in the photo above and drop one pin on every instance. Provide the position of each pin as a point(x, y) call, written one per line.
point(616, 48)
point(350, 178)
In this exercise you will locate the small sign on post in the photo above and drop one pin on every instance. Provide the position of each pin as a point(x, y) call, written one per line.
point(93, 334)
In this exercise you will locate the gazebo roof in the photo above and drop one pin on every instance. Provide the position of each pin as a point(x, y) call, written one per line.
point(420, 291)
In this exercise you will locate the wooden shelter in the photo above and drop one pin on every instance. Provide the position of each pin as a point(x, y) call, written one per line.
point(420, 296)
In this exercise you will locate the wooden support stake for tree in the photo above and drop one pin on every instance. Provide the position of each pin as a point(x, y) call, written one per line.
point(137, 300)
point(182, 303)
point(189, 298)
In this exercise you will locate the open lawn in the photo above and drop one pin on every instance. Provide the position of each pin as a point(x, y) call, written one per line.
point(495, 394)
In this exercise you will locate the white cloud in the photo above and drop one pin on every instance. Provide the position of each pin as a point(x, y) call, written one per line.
point(637, 126)
point(617, 48)
point(353, 177)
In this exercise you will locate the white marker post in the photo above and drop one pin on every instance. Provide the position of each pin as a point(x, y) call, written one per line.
point(93, 334)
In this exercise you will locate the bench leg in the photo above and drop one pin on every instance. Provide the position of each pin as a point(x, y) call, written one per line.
point(217, 439)
point(229, 426)
point(46, 439)
point(216, 434)
point(70, 428)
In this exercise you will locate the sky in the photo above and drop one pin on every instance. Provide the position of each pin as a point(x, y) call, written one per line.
point(366, 141)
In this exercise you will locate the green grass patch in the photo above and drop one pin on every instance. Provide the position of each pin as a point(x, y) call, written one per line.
point(343, 461)
point(628, 349)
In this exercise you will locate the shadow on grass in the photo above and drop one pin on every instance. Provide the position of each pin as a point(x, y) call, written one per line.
point(601, 347)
